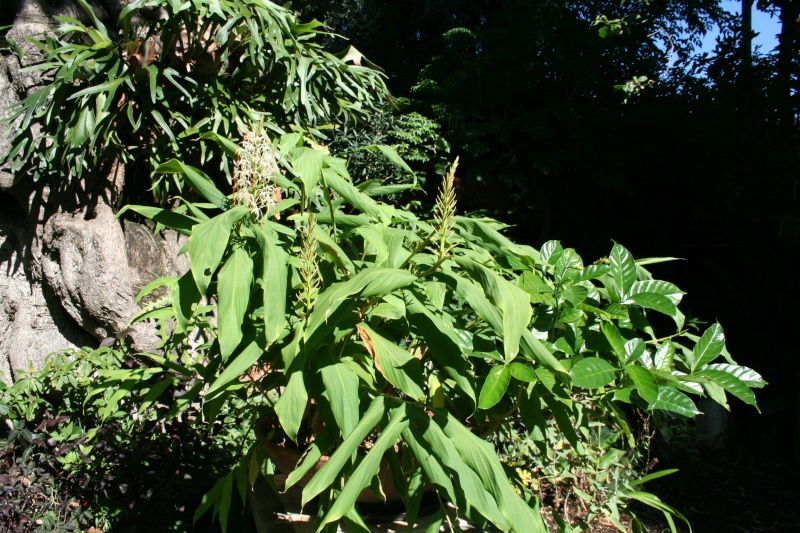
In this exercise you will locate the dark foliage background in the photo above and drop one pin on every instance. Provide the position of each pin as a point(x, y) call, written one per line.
point(701, 164)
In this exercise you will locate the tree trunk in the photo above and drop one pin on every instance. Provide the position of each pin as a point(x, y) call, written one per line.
point(68, 275)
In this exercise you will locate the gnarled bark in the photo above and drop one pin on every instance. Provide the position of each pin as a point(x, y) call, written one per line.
point(69, 271)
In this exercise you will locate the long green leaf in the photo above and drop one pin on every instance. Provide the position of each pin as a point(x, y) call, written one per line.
point(468, 482)
point(326, 475)
point(291, 406)
point(644, 382)
point(623, 271)
point(240, 364)
point(368, 283)
point(481, 457)
point(341, 387)
point(533, 347)
point(441, 341)
point(108, 86)
point(615, 339)
point(656, 302)
point(276, 272)
point(308, 164)
point(368, 468)
point(730, 383)
point(233, 292)
point(709, 346)
point(180, 223)
point(429, 463)
point(198, 179)
point(398, 366)
point(530, 345)
point(513, 301)
point(670, 399)
point(184, 297)
point(748, 376)
point(226, 144)
point(655, 502)
point(494, 387)
point(313, 454)
point(592, 373)
point(207, 245)
point(664, 356)
point(392, 155)
point(663, 288)
point(354, 197)
point(481, 233)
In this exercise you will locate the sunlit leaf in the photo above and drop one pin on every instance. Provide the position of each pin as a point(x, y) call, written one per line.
point(623, 271)
point(207, 245)
point(670, 399)
point(233, 291)
point(644, 382)
point(709, 346)
point(494, 387)
point(592, 373)
point(399, 367)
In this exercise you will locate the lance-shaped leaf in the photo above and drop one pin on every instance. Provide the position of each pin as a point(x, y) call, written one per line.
point(180, 223)
point(392, 155)
point(494, 387)
point(233, 292)
point(587, 273)
point(198, 179)
point(522, 372)
point(664, 356)
point(184, 297)
point(623, 271)
point(429, 463)
point(208, 243)
point(730, 383)
point(481, 233)
point(748, 376)
point(530, 345)
point(644, 382)
point(442, 343)
point(368, 468)
point(397, 365)
point(512, 301)
point(352, 195)
point(655, 502)
point(341, 386)
point(615, 339)
point(313, 454)
point(239, 365)
point(634, 349)
point(482, 458)
point(469, 482)
point(709, 346)
point(592, 373)
point(368, 283)
point(663, 288)
point(308, 164)
point(291, 406)
point(326, 475)
point(656, 302)
point(275, 274)
point(670, 399)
